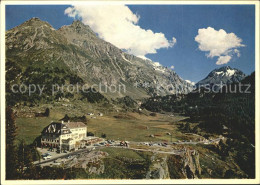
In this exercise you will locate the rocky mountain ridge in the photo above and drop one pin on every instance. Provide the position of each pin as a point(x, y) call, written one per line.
point(221, 76)
point(77, 48)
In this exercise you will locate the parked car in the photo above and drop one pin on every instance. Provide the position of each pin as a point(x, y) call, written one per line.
point(47, 157)
point(46, 154)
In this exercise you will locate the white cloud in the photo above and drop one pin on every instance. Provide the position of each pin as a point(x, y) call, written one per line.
point(236, 51)
point(173, 42)
point(172, 67)
point(118, 25)
point(192, 83)
point(218, 44)
point(223, 60)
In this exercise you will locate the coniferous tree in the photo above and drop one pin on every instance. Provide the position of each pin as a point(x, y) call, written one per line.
point(28, 161)
point(20, 161)
point(11, 155)
point(25, 161)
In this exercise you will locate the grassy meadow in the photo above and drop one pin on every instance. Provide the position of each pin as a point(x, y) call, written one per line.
point(116, 125)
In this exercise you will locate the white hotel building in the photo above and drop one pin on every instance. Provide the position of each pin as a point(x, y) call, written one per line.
point(64, 135)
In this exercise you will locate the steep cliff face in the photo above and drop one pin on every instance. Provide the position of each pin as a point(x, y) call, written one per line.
point(186, 165)
point(77, 48)
point(158, 168)
point(191, 165)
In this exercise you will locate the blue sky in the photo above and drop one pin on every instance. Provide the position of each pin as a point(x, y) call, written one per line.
point(179, 21)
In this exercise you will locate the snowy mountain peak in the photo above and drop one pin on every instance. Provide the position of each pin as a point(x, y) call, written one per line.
point(229, 72)
point(223, 75)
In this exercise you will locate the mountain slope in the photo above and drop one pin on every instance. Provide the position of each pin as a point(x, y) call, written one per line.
point(113, 66)
point(223, 75)
point(77, 49)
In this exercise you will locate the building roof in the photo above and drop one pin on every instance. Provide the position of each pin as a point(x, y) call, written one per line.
point(56, 128)
point(53, 128)
point(71, 125)
point(62, 128)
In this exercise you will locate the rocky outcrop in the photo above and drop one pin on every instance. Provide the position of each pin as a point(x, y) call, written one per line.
point(92, 162)
point(158, 169)
point(191, 165)
point(186, 165)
